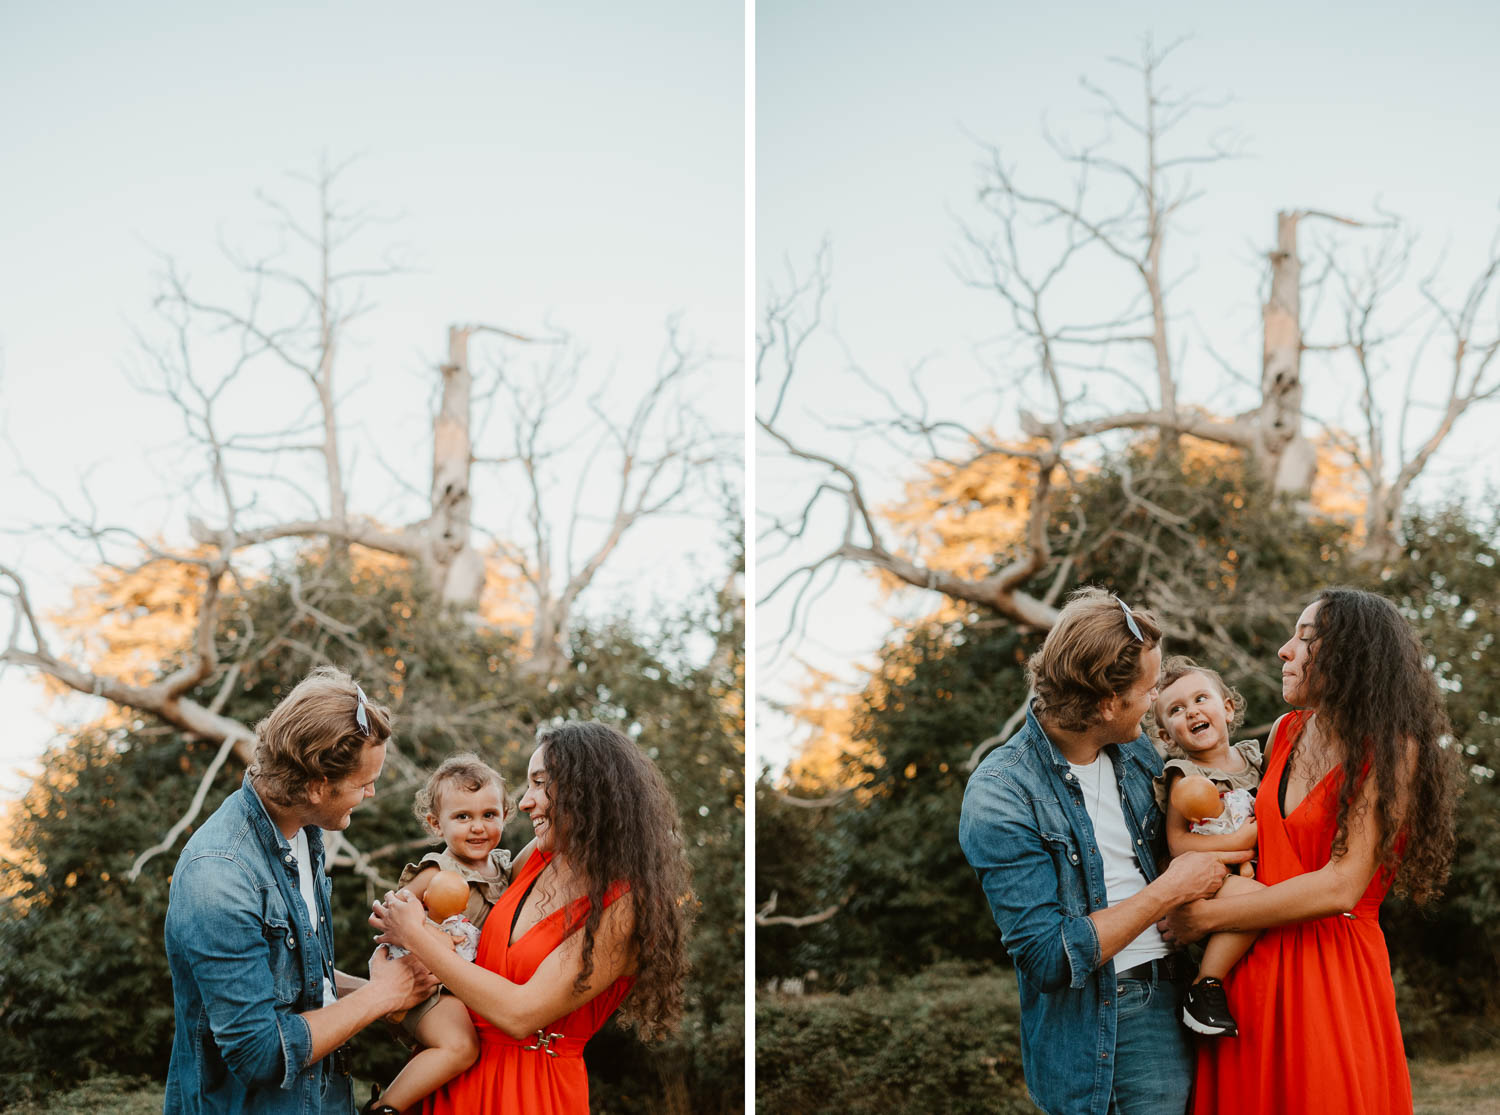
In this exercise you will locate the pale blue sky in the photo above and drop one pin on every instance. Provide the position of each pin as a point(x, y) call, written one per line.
point(867, 120)
point(579, 163)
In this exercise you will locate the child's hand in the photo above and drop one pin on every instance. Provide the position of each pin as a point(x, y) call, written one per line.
point(399, 918)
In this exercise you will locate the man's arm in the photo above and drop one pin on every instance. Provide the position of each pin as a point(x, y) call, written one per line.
point(1001, 842)
point(214, 926)
point(1054, 948)
point(393, 985)
point(1189, 876)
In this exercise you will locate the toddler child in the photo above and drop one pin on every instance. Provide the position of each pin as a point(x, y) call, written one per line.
point(1194, 714)
point(464, 803)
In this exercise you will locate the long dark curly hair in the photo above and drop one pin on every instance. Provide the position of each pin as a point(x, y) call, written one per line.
point(1377, 698)
point(616, 822)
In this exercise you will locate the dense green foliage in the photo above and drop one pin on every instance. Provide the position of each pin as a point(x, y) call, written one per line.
point(945, 1042)
point(1227, 569)
point(84, 987)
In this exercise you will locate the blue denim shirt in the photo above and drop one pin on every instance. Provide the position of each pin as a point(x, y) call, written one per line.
point(1026, 833)
point(245, 965)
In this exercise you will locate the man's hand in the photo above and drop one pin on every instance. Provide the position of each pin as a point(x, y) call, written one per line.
point(1201, 874)
point(405, 981)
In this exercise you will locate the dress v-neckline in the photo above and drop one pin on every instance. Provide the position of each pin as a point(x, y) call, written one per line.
point(1288, 753)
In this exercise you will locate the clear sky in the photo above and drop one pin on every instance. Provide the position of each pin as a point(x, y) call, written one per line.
point(580, 165)
point(869, 122)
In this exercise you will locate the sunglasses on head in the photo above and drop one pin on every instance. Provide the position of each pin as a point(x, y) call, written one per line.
point(1130, 620)
point(361, 717)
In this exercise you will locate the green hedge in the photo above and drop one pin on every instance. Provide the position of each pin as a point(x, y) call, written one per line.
point(944, 1042)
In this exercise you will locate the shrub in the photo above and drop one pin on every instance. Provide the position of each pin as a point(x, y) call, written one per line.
point(945, 1042)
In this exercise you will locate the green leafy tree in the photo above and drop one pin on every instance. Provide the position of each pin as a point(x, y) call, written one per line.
point(84, 986)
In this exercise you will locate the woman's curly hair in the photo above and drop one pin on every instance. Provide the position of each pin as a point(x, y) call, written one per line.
point(617, 823)
point(1376, 696)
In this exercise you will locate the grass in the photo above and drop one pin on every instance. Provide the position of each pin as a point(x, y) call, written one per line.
point(1470, 1086)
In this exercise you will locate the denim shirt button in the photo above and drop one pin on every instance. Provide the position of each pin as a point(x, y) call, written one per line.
point(1074, 857)
point(291, 942)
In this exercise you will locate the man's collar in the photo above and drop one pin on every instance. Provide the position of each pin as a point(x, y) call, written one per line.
point(1035, 724)
point(261, 817)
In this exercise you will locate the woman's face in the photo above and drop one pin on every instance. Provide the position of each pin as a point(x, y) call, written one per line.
point(1296, 657)
point(536, 803)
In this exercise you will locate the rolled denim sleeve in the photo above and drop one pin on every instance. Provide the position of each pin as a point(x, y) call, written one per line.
point(999, 837)
point(214, 924)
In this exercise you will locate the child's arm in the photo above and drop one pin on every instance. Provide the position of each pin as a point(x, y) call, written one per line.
point(417, 885)
point(1181, 839)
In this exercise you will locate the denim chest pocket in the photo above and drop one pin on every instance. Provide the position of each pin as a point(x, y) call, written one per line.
point(1070, 872)
point(284, 954)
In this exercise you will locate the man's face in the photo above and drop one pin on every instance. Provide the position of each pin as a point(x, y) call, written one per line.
point(1126, 710)
point(329, 804)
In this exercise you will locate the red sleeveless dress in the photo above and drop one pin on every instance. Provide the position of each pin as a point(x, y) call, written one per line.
point(1314, 1001)
point(508, 1078)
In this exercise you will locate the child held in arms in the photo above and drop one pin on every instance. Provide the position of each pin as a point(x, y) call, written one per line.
point(464, 803)
point(1207, 789)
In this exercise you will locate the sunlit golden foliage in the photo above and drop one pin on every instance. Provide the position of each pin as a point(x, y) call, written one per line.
point(125, 622)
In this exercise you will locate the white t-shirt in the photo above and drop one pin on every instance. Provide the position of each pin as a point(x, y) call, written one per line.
point(309, 896)
point(1122, 878)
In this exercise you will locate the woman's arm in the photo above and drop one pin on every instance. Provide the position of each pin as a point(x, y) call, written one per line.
point(518, 1009)
point(1334, 888)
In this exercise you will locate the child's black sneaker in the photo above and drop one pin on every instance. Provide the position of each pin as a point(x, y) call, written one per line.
point(1206, 1010)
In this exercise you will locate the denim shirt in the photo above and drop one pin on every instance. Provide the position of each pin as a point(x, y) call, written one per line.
point(1026, 833)
point(246, 963)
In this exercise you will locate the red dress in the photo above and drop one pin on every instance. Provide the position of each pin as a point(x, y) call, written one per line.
point(1314, 1001)
point(508, 1078)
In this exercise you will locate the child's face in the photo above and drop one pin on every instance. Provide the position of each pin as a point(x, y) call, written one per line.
point(1195, 714)
point(470, 822)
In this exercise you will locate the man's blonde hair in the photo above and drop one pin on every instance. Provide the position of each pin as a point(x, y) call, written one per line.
point(313, 734)
point(1090, 654)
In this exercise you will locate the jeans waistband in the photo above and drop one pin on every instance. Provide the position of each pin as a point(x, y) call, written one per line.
point(1173, 966)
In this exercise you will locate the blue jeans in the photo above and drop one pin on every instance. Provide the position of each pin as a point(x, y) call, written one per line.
point(1153, 1054)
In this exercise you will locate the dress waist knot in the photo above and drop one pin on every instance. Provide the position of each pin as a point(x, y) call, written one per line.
point(542, 1043)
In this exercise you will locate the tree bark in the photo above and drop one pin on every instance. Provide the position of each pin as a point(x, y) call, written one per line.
point(457, 569)
point(1285, 456)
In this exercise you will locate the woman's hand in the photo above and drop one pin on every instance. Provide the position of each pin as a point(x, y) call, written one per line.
point(1185, 924)
point(399, 918)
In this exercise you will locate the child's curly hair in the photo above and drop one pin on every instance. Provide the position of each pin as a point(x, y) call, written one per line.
point(1177, 667)
point(464, 771)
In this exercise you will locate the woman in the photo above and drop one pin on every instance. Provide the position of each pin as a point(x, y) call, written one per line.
point(593, 921)
point(1357, 798)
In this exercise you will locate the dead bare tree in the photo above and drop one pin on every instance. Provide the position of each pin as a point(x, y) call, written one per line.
point(1066, 364)
point(284, 336)
point(1392, 454)
point(625, 467)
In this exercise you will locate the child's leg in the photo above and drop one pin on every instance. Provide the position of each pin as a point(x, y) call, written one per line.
point(449, 1046)
point(1224, 949)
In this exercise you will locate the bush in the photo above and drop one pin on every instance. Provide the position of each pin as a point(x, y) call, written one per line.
point(945, 1042)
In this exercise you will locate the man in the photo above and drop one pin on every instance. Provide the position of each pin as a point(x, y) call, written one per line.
point(1061, 826)
point(249, 933)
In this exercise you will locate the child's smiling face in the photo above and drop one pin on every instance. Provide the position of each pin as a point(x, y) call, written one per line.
point(470, 822)
point(1195, 715)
